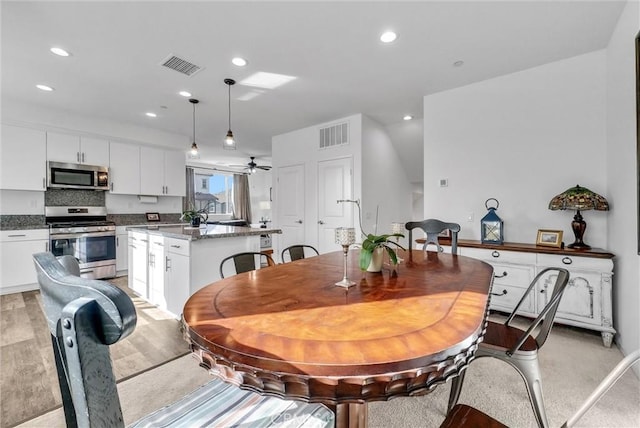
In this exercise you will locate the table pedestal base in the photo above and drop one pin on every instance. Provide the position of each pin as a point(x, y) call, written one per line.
point(351, 415)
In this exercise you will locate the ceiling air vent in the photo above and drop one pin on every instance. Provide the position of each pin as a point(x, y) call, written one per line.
point(180, 65)
point(334, 135)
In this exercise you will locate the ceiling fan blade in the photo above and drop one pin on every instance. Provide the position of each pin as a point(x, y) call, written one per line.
point(264, 167)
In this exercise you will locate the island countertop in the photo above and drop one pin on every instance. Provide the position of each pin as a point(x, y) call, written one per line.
point(209, 231)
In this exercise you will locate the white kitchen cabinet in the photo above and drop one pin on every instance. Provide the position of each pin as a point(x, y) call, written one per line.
point(586, 301)
point(124, 168)
point(16, 249)
point(177, 266)
point(156, 279)
point(23, 159)
point(122, 249)
point(77, 149)
point(138, 268)
point(162, 172)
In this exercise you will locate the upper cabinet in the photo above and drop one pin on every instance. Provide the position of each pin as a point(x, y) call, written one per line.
point(162, 172)
point(23, 159)
point(77, 149)
point(124, 168)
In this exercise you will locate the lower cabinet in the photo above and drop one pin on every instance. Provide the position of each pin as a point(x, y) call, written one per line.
point(177, 263)
point(586, 301)
point(122, 249)
point(16, 249)
point(139, 258)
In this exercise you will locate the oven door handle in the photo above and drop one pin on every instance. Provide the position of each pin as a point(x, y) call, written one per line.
point(82, 235)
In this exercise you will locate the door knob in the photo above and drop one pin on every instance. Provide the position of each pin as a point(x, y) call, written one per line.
point(299, 221)
point(320, 222)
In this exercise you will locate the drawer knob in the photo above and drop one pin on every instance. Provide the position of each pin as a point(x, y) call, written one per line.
point(504, 292)
point(567, 260)
point(501, 276)
point(495, 254)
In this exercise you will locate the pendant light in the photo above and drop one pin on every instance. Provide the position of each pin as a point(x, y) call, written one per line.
point(194, 146)
point(229, 142)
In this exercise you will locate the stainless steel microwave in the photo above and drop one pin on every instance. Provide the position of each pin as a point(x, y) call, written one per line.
point(77, 176)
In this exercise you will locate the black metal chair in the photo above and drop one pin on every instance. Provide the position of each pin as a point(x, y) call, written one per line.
point(463, 416)
point(519, 348)
point(247, 261)
point(433, 228)
point(297, 252)
point(85, 316)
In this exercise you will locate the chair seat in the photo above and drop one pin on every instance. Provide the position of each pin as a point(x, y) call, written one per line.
point(504, 336)
point(220, 404)
point(463, 416)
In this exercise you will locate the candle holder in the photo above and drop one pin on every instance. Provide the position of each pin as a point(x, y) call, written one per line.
point(345, 236)
point(398, 228)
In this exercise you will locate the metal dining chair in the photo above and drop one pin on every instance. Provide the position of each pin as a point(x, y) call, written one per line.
point(297, 252)
point(245, 262)
point(463, 416)
point(520, 348)
point(86, 316)
point(433, 228)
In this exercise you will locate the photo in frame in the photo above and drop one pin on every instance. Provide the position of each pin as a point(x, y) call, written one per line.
point(153, 216)
point(549, 238)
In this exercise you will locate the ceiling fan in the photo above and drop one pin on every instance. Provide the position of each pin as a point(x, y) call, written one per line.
point(252, 166)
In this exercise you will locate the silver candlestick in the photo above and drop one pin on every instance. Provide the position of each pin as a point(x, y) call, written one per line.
point(345, 236)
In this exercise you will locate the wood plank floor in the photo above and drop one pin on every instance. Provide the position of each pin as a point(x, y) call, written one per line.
point(28, 379)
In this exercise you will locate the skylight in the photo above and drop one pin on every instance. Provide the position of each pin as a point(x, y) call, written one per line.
point(266, 80)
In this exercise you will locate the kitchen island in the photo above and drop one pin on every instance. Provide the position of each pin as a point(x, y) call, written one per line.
point(170, 262)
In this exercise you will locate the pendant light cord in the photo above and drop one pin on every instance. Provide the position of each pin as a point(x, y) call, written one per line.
point(229, 98)
point(194, 122)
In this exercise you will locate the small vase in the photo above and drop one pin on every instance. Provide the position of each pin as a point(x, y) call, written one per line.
point(376, 260)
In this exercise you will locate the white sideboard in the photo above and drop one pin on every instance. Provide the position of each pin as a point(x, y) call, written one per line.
point(586, 301)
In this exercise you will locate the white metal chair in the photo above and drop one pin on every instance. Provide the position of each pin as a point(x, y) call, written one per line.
point(85, 316)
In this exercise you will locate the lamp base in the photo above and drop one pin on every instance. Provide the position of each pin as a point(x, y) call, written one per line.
point(579, 226)
point(346, 283)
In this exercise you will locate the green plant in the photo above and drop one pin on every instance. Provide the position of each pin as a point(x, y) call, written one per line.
point(372, 242)
point(192, 213)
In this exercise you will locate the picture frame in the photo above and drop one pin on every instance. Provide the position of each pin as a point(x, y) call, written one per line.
point(445, 234)
point(549, 238)
point(153, 216)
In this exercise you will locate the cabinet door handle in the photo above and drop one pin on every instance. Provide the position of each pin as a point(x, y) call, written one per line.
point(46, 246)
point(17, 235)
point(495, 254)
point(504, 293)
point(320, 222)
point(176, 246)
point(299, 221)
point(167, 262)
point(44, 184)
point(501, 276)
point(111, 186)
point(82, 157)
point(117, 242)
point(78, 156)
point(567, 260)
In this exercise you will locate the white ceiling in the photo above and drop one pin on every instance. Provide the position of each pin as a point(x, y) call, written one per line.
point(332, 48)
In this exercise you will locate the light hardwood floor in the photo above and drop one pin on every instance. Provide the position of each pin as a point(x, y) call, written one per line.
point(28, 379)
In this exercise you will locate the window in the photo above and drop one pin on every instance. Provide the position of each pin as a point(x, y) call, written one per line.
point(214, 192)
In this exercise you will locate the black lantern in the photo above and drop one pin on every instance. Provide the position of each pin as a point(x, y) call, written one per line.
point(492, 226)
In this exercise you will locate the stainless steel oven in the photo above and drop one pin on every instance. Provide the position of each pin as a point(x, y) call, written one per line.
point(84, 233)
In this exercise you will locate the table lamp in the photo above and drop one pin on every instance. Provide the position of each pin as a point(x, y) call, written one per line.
point(579, 198)
point(345, 236)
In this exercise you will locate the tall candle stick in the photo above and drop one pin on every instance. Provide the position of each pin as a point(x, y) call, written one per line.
point(345, 236)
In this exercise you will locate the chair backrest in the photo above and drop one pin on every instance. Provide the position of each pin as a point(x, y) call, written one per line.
point(245, 262)
point(433, 228)
point(297, 252)
point(548, 313)
point(85, 316)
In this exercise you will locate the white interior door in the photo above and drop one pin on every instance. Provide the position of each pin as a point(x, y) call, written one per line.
point(290, 203)
point(335, 182)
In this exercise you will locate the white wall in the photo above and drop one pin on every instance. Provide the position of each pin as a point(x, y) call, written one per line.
point(520, 138)
point(386, 187)
point(621, 177)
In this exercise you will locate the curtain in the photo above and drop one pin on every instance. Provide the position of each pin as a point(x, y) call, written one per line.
point(189, 201)
point(241, 197)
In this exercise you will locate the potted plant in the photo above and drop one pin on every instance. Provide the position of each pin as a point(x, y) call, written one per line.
point(194, 217)
point(373, 248)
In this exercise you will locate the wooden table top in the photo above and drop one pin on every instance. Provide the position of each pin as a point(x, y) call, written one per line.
point(288, 330)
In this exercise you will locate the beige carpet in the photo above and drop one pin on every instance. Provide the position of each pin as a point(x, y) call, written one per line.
point(573, 362)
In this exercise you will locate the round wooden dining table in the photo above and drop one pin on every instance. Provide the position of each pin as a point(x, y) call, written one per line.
point(289, 331)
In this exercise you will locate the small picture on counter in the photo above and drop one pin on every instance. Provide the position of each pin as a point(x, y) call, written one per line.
point(549, 238)
point(153, 216)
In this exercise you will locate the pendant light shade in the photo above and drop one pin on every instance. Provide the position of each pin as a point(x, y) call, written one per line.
point(194, 146)
point(229, 141)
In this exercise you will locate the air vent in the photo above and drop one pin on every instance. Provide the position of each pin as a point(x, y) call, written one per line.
point(180, 65)
point(334, 135)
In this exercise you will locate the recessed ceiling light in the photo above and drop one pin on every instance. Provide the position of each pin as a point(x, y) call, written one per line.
point(185, 93)
point(150, 114)
point(408, 117)
point(458, 63)
point(44, 87)
point(240, 62)
point(388, 37)
point(59, 51)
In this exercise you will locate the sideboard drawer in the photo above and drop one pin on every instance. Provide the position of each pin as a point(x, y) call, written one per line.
point(515, 275)
point(499, 256)
point(575, 262)
point(506, 297)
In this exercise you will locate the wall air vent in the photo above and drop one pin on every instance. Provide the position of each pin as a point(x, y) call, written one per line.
point(334, 135)
point(180, 65)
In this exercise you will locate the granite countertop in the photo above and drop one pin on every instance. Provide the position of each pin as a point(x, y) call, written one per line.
point(209, 231)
